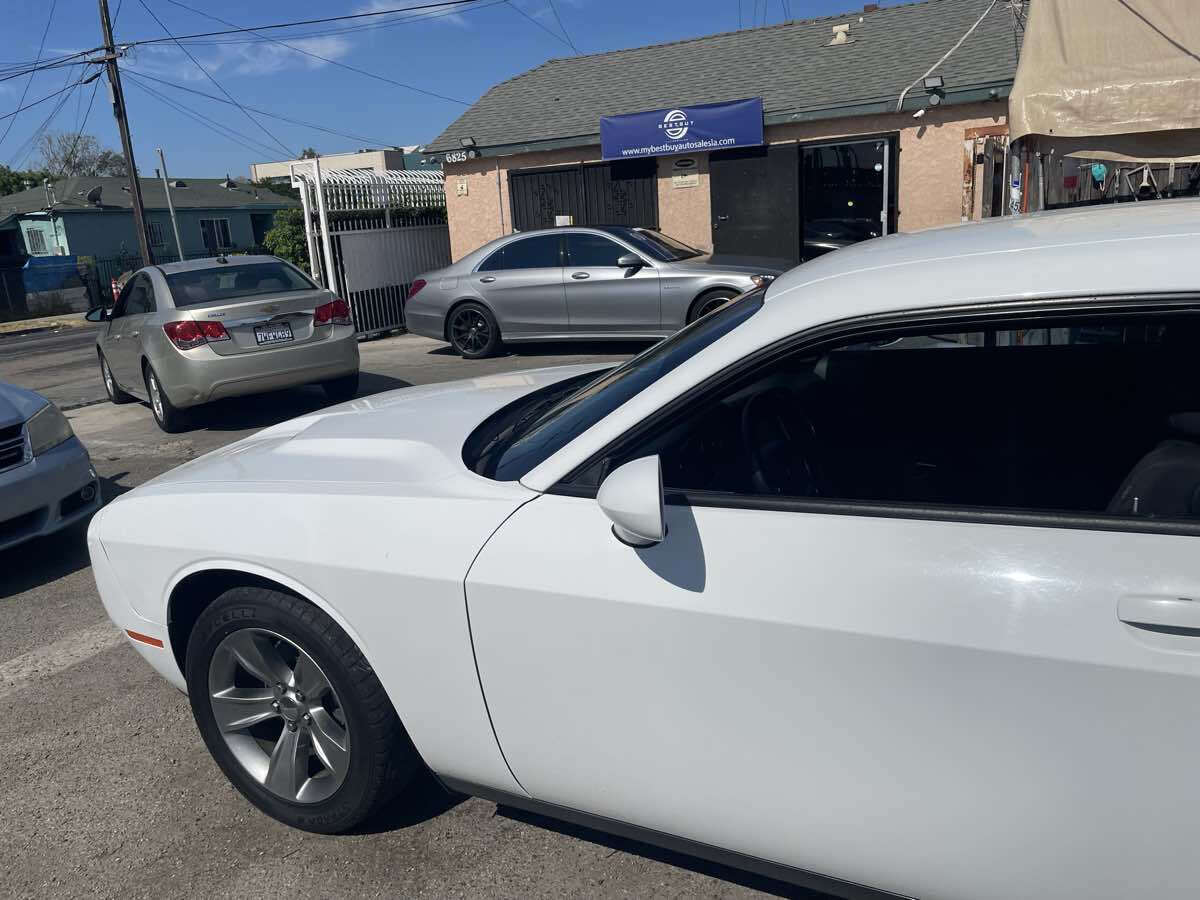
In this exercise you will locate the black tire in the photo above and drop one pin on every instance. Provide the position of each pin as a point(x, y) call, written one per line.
point(472, 331)
point(339, 390)
point(115, 394)
point(382, 759)
point(169, 419)
point(709, 302)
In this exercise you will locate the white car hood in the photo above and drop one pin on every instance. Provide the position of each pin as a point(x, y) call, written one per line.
point(406, 436)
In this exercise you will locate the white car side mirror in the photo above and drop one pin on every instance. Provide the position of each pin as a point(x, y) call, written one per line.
point(632, 497)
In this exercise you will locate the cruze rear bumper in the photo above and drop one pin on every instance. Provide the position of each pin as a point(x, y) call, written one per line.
point(192, 377)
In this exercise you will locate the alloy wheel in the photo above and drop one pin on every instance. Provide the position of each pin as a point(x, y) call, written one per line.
point(470, 331)
point(155, 396)
point(279, 715)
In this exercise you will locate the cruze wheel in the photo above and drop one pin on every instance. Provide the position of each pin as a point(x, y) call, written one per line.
point(169, 419)
point(293, 713)
point(473, 331)
point(115, 394)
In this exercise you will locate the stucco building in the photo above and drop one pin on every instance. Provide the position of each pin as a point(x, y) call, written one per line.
point(843, 157)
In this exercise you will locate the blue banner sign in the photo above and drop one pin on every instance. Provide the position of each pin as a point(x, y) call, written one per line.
point(685, 129)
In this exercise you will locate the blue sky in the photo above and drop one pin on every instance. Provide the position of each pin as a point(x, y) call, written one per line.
point(457, 55)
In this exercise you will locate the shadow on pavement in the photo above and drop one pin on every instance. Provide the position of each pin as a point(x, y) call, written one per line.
point(670, 857)
point(562, 348)
point(421, 801)
point(264, 410)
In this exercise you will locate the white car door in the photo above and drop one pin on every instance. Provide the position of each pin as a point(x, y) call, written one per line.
point(900, 681)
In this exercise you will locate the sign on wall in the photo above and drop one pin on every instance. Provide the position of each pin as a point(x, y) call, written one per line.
point(663, 132)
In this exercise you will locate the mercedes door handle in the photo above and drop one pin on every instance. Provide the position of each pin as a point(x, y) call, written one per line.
point(579, 276)
point(487, 279)
point(1177, 615)
point(135, 334)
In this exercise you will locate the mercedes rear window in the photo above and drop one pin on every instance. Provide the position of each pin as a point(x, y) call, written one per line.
point(219, 284)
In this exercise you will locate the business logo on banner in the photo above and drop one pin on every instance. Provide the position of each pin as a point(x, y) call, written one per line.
point(685, 129)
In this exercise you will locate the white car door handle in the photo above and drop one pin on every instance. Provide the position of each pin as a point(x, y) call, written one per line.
point(1160, 613)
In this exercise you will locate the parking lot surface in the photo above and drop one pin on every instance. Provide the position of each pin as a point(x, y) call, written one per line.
point(106, 788)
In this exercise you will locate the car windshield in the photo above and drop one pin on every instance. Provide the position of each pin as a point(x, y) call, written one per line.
point(221, 283)
point(524, 434)
point(662, 247)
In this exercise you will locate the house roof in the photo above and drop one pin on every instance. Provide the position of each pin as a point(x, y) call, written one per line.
point(791, 66)
point(201, 193)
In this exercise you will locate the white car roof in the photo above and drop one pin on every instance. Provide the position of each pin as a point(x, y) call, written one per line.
point(1148, 247)
point(1131, 248)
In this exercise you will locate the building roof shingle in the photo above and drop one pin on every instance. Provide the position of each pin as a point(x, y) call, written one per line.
point(200, 193)
point(791, 66)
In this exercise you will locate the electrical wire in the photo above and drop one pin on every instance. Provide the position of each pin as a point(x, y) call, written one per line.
point(257, 28)
point(550, 31)
point(238, 137)
point(30, 143)
point(262, 112)
point(25, 93)
point(562, 27)
point(81, 125)
point(52, 94)
point(325, 59)
point(945, 56)
point(228, 95)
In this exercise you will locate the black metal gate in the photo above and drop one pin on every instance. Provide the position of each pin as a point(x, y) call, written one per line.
point(616, 193)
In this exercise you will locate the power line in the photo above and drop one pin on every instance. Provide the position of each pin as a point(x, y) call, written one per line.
point(25, 93)
point(326, 59)
point(368, 26)
point(228, 95)
point(257, 28)
point(554, 34)
point(263, 112)
point(558, 18)
point(82, 125)
point(244, 140)
point(19, 109)
point(30, 144)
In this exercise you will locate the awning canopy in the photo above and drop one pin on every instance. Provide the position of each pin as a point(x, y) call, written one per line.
point(1111, 79)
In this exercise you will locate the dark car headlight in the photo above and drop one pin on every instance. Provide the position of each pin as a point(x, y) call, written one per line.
point(762, 280)
point(47, 428)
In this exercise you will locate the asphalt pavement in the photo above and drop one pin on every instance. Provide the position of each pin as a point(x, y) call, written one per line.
point(106, 788)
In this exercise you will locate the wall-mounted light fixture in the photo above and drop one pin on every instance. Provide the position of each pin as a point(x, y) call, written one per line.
point(934, 83)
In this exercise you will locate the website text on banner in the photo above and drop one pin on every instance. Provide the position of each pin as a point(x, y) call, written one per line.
point(662, 132)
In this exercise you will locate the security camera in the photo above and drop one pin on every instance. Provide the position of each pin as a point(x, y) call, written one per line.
point(920, 112)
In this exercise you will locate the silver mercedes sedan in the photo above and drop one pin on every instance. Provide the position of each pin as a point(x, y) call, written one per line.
point(187, 333)
point(574, 283)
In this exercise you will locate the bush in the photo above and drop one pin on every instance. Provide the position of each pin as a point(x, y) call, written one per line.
point(286, 238)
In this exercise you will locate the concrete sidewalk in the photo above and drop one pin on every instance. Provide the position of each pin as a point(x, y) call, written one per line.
point(44, 323)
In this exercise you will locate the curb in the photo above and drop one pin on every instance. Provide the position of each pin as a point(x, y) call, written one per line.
point(67, 407)
point(25, 331)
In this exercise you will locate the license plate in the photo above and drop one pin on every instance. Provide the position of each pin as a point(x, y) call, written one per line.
point(278, 333)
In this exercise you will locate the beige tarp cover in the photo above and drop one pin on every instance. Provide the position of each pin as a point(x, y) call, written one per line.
point(1116, 79)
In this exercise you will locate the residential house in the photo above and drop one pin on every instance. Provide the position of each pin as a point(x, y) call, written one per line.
point(84, 216)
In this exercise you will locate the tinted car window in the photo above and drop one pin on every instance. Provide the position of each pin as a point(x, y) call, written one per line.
point(533, 435)
point(219, 284)
point(540, 252)
point(586, 250)
point(1099, 417)
point(141, 297)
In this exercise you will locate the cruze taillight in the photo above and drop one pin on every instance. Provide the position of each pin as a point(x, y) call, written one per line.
point(416, 286)
point(336, 311)
point(187, 334)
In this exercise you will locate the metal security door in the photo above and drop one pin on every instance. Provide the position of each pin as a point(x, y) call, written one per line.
point(620, 193)
point(755, 202)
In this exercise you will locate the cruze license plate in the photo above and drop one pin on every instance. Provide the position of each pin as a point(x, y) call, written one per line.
point(275, 333)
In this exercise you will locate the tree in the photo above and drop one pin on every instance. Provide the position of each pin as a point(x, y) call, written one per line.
point(286, 238)
point(309, 153)
point(67, 153)
point(13, 180)
point(282, 188)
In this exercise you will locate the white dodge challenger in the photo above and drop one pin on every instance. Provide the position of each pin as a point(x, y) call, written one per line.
point(884, 580)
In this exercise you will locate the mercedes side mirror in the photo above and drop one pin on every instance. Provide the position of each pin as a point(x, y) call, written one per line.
point(631, 261)
point(632, 498)
point(97, 314)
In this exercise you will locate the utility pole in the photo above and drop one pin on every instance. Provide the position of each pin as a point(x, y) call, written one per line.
point(118, 103)
point(170, 203)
